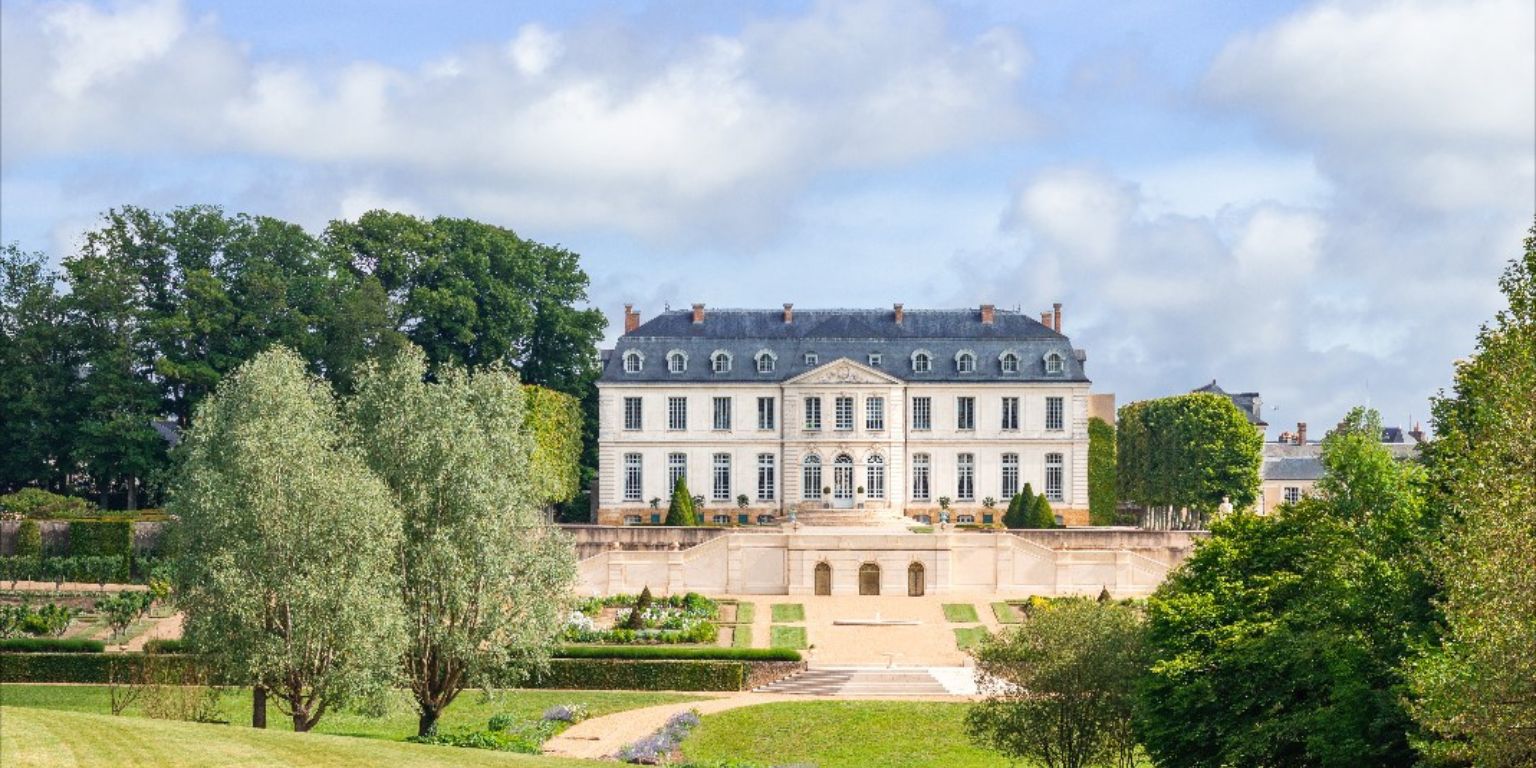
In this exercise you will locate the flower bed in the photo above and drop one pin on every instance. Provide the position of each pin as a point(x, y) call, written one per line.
point(630, 620)
point(660, 747)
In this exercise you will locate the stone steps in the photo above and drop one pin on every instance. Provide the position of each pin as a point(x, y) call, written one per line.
point(881, 682)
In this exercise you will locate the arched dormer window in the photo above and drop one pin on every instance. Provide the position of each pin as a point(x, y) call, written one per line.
point(1054, 364)
point(634, 361)
point(766, 361)
point(922, 361)
point(720, 361)
point(1008, 361)
point(677, 361)
point(965, 361)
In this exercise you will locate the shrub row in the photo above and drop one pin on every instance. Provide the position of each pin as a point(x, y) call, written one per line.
point(642, 675)
point(51, 645)
point(98, 668)
point(663, 652)
point(85, 569)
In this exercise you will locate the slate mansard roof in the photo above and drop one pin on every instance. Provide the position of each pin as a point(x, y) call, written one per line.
point(854, 334)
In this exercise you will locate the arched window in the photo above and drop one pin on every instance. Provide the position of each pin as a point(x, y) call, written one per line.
point(1054, 363)
point(922, 361)
point(869, 579)
point(1009, 361)
point(677, 361)
point(874, 477)
point(633, 361)
point(823, 578)
point(915, 580)
point(965, 362)
point(765, 361)
point(720, 361)
point(810, 477)
point(842, 477)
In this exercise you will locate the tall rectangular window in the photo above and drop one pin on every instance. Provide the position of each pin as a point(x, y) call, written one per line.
point(632, 486)
point(843, 409)
point(1053, 477)
point(723, 413)
point(765, 477)
point(1010, 475)
point(874, 413)
point(765, 413)
point(1054, 414)
point(965, 477)
point(722, 477)
point(677, 413)
point(1010, 413)
point(874, 477)
point(813, 413)
point(921, 490)
point(677, 469)
point(810, 479)
point(965, 413)
point(922, 413)
point(632, 413)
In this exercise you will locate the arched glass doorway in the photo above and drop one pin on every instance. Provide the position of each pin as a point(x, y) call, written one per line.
point(869, 579)
point(823, 579)
point(842, 481)
point(915, 580)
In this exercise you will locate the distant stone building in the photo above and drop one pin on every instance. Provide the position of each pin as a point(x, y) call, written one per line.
point(841, 414)
point(1293, 464)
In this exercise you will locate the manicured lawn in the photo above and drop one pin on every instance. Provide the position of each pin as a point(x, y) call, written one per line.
point(842, 734)
point(741, 636)
point(472, 708)
point(786, 637)
point(1005, 613)
point(54, 739)
point(969, 637)
point(960, 613)
point(746, 612)
point(788, 612)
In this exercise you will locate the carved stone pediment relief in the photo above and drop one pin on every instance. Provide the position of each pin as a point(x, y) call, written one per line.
point(843, 372)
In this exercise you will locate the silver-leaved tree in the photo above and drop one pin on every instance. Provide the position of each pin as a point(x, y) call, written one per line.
point(485, 581)
point(289, 544)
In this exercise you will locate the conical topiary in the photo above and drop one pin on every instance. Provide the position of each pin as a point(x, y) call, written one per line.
point(1042, 514)
point(680, 511)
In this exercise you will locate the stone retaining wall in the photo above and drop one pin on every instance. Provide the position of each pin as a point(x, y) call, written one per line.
point(147, 536)
point(761, 673)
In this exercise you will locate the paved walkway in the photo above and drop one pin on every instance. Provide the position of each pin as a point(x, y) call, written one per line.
point(930, 642)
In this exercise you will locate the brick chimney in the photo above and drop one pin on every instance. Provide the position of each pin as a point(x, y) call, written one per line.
point(899, 313)
point(698, 314)
point(988, 314)
point(1045, 318)
point(631, 318)
point(1056, 318)
point(1416, 433)
point(1301, 433)
point(789, 313)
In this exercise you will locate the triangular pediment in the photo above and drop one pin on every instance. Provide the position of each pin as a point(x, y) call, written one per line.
point(844, 371)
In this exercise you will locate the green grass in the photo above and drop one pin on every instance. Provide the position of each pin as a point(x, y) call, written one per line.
point(746, 612)
point(842, 734)
point(1005, 613)
point(786, 637)
point(960, 613)
point(741, 636)
point(472, 708)
point(969, 637)
point(921, 529)
point(788, 612)
point(35, 738)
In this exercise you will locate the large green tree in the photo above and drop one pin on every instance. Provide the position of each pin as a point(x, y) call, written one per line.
point(1279, 641)
point(1477, 687)
point(1188, 452)
point(40, 399)
point(484, 581)
point(289, 545)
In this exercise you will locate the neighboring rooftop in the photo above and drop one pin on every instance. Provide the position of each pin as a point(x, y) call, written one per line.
point(1247, 402)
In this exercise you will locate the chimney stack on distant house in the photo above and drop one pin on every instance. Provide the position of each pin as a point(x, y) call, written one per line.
point(1301, 433)
point(988, 314)
point(1045, 318)
point(789, 313)
point(1056, 320)
point(899, 312)
point(631, 318)
point(1416, 433)
point(698, 314)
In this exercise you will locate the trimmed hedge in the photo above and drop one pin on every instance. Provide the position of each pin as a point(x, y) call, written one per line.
point(51, 645)
point(89, 538)
point(625, 674)
point(165, 646)
point(660, 652)
point(72, 667)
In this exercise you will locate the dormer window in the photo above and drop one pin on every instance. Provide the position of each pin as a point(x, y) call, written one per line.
point(720, 361)
point(1054, 363)
point(922, 361)
point(1009, 362)
point(810, 358)
point(677, 361)
point(765, 361)
point(965, 362)
point(633, 361)
point(874, 359)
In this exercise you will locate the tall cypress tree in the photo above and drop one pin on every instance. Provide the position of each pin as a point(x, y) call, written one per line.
point(680, 511)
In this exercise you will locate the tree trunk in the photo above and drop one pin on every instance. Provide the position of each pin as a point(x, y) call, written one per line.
point(133, 493)
point(259, 707)
point(301, 721)
point(427, 723)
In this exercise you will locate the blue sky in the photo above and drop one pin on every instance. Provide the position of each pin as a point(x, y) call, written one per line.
point(1312, 200)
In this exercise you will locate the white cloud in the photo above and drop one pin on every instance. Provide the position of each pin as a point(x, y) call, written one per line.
point(571, 127)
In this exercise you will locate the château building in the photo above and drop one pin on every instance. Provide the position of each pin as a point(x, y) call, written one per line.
point(841, 414)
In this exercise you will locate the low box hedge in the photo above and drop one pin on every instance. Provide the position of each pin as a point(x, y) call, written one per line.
point(72, 667)
point(660, 652)
point(51, 645)
point(642, 675)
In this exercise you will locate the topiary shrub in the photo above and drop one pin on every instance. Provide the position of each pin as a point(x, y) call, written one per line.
point(91, 538)
point(681, 509)
point(636, 618)
point(1043, 516)
point(29, 540)
point(38, 504)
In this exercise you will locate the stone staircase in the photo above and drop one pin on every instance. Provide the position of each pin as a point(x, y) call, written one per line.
point(849, 518)
point(880, 682)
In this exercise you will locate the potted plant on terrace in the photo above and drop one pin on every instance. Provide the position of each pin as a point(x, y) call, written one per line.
point(826, 497)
